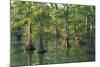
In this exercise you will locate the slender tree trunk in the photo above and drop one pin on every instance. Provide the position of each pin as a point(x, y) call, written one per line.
point(29, 47)
point(76, 38)
point(41, 51)
point(66, 38)
point(57, 38)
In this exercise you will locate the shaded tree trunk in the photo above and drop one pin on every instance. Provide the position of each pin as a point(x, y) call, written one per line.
point(29, 47)
point(57, 38)
point(41, 49)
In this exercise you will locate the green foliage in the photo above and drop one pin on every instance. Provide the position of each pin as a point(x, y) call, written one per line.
point(44, 18)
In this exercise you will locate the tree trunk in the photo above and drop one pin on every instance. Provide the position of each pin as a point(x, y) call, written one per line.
point(66, 38)
point(67, 30)
point(29, 47)
point(41, 50)
point(57, 38)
